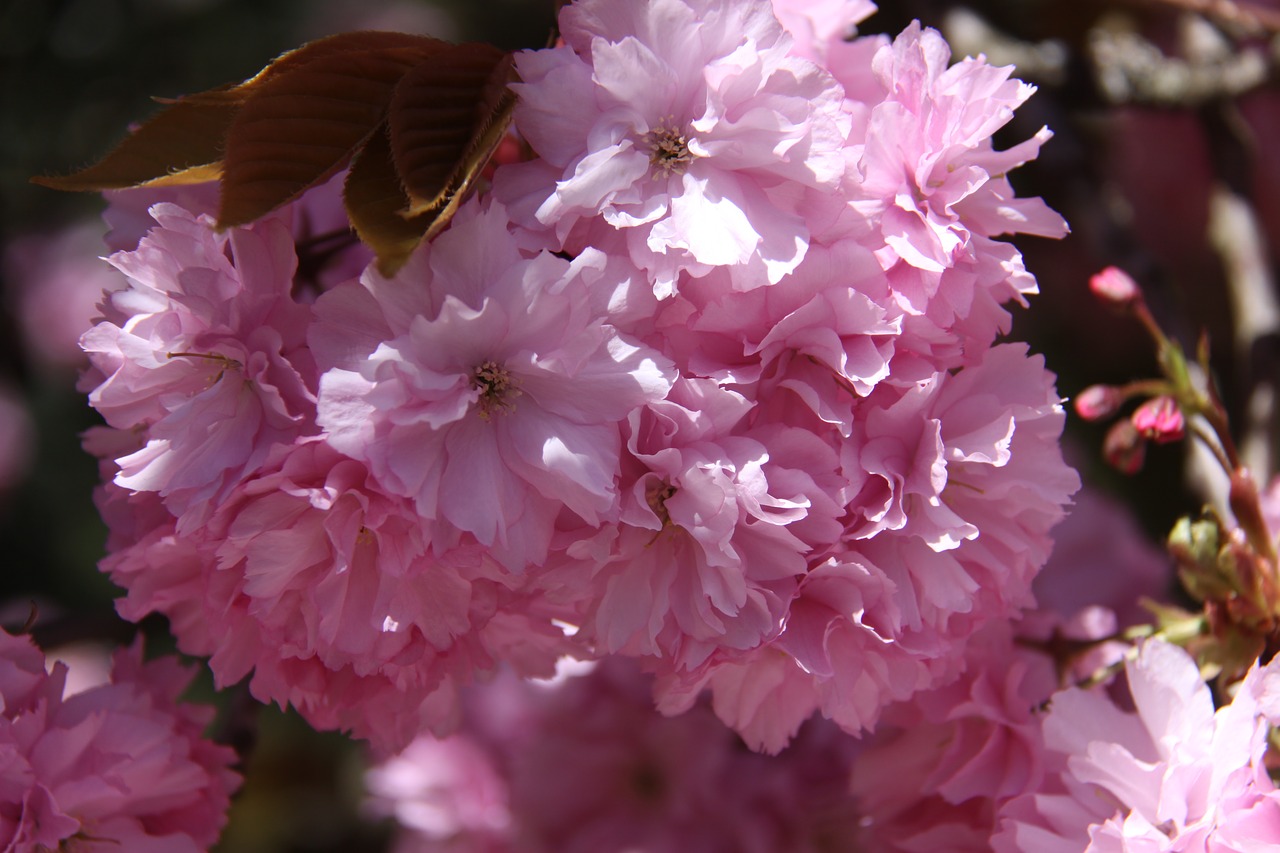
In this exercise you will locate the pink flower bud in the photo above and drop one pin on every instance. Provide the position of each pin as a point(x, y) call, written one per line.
point(1160, 420)
point(1098, 401)
point(1115, 287)
point(1124, 448)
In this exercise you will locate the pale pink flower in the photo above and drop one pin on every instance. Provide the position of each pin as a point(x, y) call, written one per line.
point(819, 25)
point(928, 159)
point(496, 399)
point(328, 250)
point(1098, 401)
point(438, 790)
point(205, 350)
point(1172, 775)
point(119, 766)
point(679, 120)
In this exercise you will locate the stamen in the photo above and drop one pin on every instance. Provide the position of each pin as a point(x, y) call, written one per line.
point(668, 149)
point(226, 362)
point(497, 388)
point(656, 494)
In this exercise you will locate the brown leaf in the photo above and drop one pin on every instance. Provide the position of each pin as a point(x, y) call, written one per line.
point(182, 144)
point(484, 143)
point(404, 45)
point(298, 128)
point(435, 113)
point(375, 200)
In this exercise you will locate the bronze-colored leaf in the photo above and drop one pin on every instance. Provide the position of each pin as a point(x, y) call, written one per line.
point(298, 128)
point(435, 113)
point(483, 145)
point(401, 45)
point(375, 200)
point(181, 144)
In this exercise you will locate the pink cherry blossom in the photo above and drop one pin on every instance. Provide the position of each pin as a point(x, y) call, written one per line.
point(1172, 775)
point(955, 485)
point(119, 766)
point(928, 157)
point(324, 590)
point(704, 557)
point(206, 351)
point(818, 25)
point(679, 120)
point(497, 400)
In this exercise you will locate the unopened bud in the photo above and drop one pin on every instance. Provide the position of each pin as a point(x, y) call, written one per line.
point(1124, 448)
point(1160, 420)
point(1115, 287)
point(1098, 401)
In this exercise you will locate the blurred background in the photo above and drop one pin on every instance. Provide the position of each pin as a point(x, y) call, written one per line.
point(1166, 162)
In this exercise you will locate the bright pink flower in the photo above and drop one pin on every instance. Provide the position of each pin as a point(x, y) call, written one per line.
point(206, 350)
point(119, 766)
point(328, 251)
point(816, 338)
point(1172, 776)
point(679, 120)
point(1160, 420)
point(496, 396)
point(439, 790)
point(1115, 287)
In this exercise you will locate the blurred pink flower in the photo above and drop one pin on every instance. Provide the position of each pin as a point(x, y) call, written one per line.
point(58, 282)
point(119, 766)
point(586, 765)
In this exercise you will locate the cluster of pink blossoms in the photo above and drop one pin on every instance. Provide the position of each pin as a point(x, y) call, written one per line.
point(973, 766)
point(119, 766)
point(710, 382)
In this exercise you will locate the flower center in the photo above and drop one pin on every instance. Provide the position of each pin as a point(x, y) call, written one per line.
point(497, 389)
point(668, 149)
point(656, 494)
